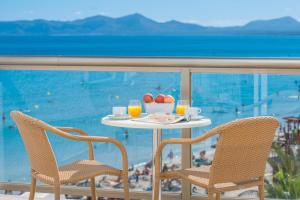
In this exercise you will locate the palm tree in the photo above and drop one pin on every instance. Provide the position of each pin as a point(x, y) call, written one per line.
point(286, 170)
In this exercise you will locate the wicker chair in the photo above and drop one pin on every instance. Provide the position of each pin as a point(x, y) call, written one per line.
point(43, 162)
point(239, 161)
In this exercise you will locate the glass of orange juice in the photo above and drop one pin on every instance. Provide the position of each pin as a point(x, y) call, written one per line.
point(134, 108)
point(181, 106)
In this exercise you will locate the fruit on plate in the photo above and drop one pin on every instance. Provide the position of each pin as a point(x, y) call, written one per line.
point(160, 98)
point(148, 98)
point(169, 99)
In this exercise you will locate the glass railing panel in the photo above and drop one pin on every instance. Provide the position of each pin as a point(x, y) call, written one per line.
point(226, 97)
point(79, 99)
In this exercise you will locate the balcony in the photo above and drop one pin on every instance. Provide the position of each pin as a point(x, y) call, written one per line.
point(78, 91)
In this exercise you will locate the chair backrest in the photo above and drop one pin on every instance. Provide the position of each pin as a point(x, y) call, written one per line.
point(243, 149)
point(42, 158)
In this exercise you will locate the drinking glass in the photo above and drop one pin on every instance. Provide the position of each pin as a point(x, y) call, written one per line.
point(181, 106)
point(134, 108)
point(119, 111)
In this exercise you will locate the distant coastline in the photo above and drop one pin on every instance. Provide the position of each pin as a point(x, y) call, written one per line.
point(139, 25)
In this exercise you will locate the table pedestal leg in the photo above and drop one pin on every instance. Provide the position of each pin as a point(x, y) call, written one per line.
point(156, 142)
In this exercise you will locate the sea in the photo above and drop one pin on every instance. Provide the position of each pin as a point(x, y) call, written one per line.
point(80, 99)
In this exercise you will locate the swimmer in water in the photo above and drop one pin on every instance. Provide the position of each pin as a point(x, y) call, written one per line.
point(3, 117)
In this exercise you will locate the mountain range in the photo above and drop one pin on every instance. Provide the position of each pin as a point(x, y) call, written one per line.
point(137, 24)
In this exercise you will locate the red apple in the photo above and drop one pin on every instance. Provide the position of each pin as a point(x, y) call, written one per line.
point(148, 98)
point(160, 98)
point(169, 99)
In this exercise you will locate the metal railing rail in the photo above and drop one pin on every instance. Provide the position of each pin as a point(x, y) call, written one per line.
point(184, 65)
point(155, 64)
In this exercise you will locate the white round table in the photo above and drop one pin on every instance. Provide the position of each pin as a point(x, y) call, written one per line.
point(157, 130)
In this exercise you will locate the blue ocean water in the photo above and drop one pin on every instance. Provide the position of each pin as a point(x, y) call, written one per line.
point(207, 46)
point(80, 99)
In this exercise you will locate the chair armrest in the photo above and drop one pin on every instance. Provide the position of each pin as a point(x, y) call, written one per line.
point(90, 139)
point(201, 138)
point(119, 145)
point(71, 129)
point(81, 132)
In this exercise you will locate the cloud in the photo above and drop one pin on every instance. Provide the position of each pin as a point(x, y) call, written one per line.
point(193, 21)
point(288, 9)
point(29, 12)
point(78, 12)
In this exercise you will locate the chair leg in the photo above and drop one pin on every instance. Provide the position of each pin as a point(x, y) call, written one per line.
point(218, 196)
point(32, 188)
point(93, 188)
point(57, 191)
point(126, 187)
point(210, 195)
point(156, 188)
point(261, 192)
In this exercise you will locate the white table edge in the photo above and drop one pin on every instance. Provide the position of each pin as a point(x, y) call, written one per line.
point(144, 125)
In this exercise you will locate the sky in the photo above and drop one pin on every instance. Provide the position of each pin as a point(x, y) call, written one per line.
point(205, 12)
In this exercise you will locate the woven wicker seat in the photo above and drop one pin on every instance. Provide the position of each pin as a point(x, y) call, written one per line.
point(43, 162)
point(239, 161)
point(79, 170)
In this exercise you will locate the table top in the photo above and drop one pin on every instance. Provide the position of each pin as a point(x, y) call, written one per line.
point(147, 125)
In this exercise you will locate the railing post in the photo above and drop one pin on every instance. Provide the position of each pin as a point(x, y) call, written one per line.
point(260, 94)
point(256, 94)
point(186, 154)
point(264, 93)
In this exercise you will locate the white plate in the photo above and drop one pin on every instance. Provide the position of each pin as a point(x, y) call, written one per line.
point(123, 117)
